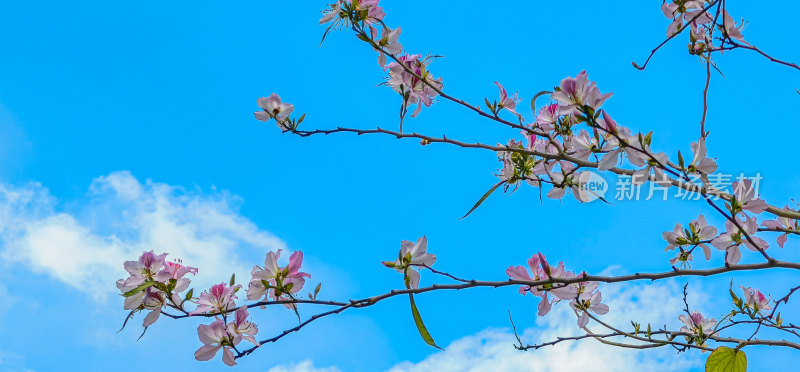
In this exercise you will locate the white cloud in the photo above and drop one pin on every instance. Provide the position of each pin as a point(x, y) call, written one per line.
point(492, 350)
point(304, 366)
point(122, 217)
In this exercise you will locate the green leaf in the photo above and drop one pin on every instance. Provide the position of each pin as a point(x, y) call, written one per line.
point(420, 325)
point(483, 198)
point(138, 289)
point(189, 294)
point(533, 100)
point(233, 280)
point(725, 359)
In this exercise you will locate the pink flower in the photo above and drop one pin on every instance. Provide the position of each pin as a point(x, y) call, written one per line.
point(641, 176)
point(413, 87)
point(754, 299)
point(274, 281)
point(153, 301)
point(506, 102)
point(782, 224)
point(731, 29)
point(176, 271)
point(746, 198)
point(734, 237)
point(220, 298)
point(696, 324)
point(389, 43)
point(410, 255)
point(698, 233)
point(541, 270)
point(273, 108)
point(547, 117)
point(241, 327)
point(363, 10)
point(144, 269)
point(215, 337)
point(575, 93)
point(701, 163)
point(588, 301)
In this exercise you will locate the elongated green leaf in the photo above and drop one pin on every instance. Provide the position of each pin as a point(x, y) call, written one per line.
point(725, 359)
point(533, 100)
point(486, 195)
point(138, 289)
point(420, 325)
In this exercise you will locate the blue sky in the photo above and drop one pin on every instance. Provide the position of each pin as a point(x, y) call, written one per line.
point(131, 126)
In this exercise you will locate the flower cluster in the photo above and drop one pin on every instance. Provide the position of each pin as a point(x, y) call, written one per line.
point(583, 296)
point(410, 258)
point(153, 283)
point(557, 146)
point(275, 281)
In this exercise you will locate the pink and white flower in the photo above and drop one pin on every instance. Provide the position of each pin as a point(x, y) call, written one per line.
point(219, 299)
point(588, 301)
point(746, 198)
point(782, 224)
point(575, 93)
point(696, 324)
point(241, 327)
point(388, 42)
point(754, 299)
point(273, 108)
point(214, 337)
point(146, 268)
point(507, 102)
point(734, 237)
point(698, 233)
point(701, 163)
point(410, 255)
point(416, 87)
point(276, 281)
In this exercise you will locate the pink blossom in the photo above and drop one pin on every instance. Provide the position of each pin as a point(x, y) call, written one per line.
point(410, 255)
point(588, 301)
point(754, 299)
point(696, 324)
point(388, 42)
point(731, 30)
point(273, 108)
point(363, 10)
point(241, 327)
point(220, 298)
point(782, 224)
point(701, 163)
point(547, 117)
point(507, 102)
point(275, 281)
point(734, 237)
point(698, 233)
point(746, 198)
point(215, 337)
point(641, 176)
point(575, 93)
point(541, 270)
point(144, 269)
point(154, 300)
point(416, 87)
